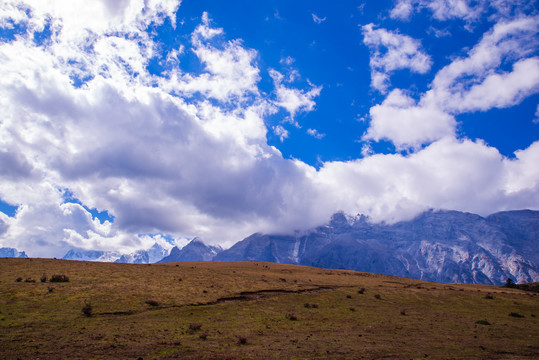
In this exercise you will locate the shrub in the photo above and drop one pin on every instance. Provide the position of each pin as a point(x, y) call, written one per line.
point(195, 327)
point(310, 306)
point(242, 340)
point(51, 289)
point(203, 336)
point(19, 279)
point(291, 316)
point(152, 302)
point(482, 322)
point(517, 315)
point(43, 278)
point(87, 309)
point(59, 278)
point(509, 283)
point(348, 296)
point(403, 312)
point(377, 296)
point(361, 291)
point(352, 309)
point(29, 280)
point(489, 297)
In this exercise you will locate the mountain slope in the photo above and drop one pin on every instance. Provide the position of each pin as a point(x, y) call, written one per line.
point(442, 246)
point(196, 250)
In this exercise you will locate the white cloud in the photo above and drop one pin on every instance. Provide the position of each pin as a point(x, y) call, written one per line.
point(293, 100)
point(442, 10)
point(502, 90)
point(314, 133)
point(317, 19)
point(467, 10)
point(281, 132)
point(536, 119)
point(400, 120)
point(287, 60)
point(230, 70)
point(475, 82)
point(403, 9)
point(391, 51)
point(448, 174)
point(470, 83)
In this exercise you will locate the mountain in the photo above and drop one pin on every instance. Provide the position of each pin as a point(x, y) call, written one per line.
point(12, 253)
point(196, 250)
point(91, 255)
point(158, 251)
point(155, 253)
point(441, 246)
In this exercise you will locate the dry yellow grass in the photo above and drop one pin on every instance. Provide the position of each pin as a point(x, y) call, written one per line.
point(254, 310)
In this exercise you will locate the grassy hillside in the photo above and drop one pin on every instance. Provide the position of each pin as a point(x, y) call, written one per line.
point(253, 310)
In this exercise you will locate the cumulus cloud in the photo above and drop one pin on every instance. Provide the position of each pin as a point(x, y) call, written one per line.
point(391, 51)
point(406, 124)
point(448, 174)
point(474, 82)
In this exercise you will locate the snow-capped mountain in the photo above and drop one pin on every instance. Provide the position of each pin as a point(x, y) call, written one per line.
point(158, 251)
point(91, 255)
point(155, 253)
point(12, 253)
point(442, 246)
point(196, 250)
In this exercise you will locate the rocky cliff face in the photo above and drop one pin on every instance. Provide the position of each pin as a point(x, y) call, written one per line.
point(442, 246)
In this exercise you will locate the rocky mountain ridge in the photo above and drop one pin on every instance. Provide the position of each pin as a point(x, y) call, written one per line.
point(441, 246)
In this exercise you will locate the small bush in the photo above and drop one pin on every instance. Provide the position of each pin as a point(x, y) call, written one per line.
point(43, 278)
point(152, 302)
point(19, 279)
point(203, 336)
point(348, 296)
point(403, 312)
point(87, 309)
point(242, 340)
point(377, 296)
point(352, 309)
point(517, 315)
point(59, 278)
point(482, 322)
point(489, 297)
point(291, 316)
point(310, 306)
point(51, 289)
point(195, 327)
point(29, 280)
point(361, 291)
point(509, 283)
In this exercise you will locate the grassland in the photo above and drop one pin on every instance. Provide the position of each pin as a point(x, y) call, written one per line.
point(254, 310)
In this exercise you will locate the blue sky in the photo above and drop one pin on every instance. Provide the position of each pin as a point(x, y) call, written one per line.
point(124, 121)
